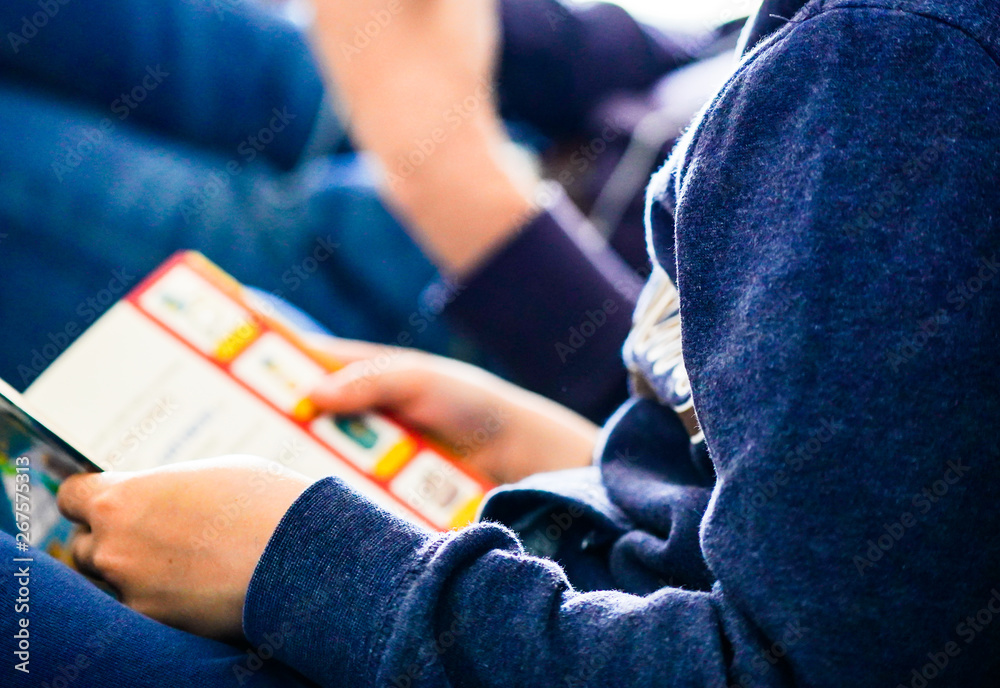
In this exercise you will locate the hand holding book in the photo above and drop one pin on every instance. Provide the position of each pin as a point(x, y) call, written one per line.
point(191, 366)
point(501, 431)
point(185, 368)
point(140, 533)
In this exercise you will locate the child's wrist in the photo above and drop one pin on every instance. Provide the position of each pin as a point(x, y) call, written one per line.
point(462, 194)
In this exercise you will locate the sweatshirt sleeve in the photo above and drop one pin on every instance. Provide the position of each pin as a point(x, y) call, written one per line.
point(350, 595)
point(560, 60)
point(554, 307)
point(222, 73)
point(837, 236)
point(844, 364)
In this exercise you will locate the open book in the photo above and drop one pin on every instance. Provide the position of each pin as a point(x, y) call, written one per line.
point(192, 365)
point(34, 460)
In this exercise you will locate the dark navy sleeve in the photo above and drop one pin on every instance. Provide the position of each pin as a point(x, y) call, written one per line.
point(350, 595)
point(837, 235)
point(559, 61)
point(554, 307)
point(222, 73)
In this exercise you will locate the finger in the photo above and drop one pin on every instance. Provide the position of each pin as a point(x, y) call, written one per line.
point(76, 494)
point(363, 386)
point(82, 548)
point(347, 351)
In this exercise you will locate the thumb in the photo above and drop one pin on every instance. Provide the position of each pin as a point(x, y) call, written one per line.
point(77, 492)
point(363, 386)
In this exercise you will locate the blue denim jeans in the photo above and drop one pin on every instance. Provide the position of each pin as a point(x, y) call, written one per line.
point(316, 236)
point(78, 636)
point(136, 128)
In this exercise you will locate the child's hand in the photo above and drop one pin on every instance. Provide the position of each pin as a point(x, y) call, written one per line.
point(505, 432)
point(401, 65)
point(180, 543)
point(416, 79)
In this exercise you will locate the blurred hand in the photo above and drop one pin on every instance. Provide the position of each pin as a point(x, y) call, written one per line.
point(400, 65)
point(505, 432)
point(416, 78)
point(180, 543)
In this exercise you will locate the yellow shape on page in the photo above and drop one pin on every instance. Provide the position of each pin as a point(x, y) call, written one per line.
point(238, 340)
point(467, 514)
point(394, 459)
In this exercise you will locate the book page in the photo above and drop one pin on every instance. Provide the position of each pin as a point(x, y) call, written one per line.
point(33, 463)
point(181, 370)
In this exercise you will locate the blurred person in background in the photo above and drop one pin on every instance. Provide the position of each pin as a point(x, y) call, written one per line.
point(135, 128)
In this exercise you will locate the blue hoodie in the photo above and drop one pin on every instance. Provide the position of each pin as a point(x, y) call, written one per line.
point(835, 213)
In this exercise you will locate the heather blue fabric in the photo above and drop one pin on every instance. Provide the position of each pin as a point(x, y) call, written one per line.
point(124, 200)
point(835, 213)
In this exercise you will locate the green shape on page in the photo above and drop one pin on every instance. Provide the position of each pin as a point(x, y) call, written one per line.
point(357, 429)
